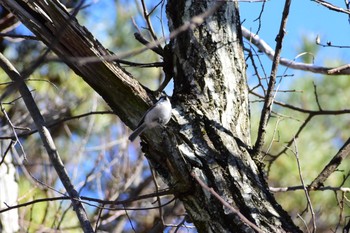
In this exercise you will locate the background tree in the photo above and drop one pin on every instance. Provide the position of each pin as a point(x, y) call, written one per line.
point(204, 170)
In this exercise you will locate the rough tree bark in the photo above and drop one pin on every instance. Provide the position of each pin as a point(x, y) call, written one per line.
point(213, 116)
point(209, 133)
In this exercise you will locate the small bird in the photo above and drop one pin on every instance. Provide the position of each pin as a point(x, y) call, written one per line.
point(157, 115)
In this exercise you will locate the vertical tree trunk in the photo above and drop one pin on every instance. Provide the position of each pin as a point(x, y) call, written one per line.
point(8, 191)
point(212, 97)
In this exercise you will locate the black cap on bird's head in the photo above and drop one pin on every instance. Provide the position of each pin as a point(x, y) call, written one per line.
point(164, 97)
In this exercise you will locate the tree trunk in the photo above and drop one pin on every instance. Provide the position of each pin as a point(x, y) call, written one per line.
point(213, 115)
point(209, 133)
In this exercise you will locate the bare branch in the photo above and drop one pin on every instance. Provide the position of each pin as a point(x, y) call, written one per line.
point(154, 178)
point(306, 191)
point(130, 222)
point(265, 114)
point(103, 202)
point(6, 151)
point(99, 217)
point(146, 16)
point(47, 140)
point(300, 187)
point(304, 222)
point(16, 140)
point(307, 111)
point(265, 48)
point(301, 128)
point(259, 17)
point(330, 44)
point(316, 97)
point(157, 49)
point(57, 122)
point(340, 69)
point(332, 165)
point(332, 7)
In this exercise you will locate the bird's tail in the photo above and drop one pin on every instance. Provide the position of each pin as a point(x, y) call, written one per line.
point(137, 132)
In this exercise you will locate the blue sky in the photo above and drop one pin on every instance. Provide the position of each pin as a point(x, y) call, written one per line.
point(306, 18)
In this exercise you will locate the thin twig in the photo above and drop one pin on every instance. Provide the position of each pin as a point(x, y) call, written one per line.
point(99, 201)
point(332, 165)
point(99, 217)
point(265, 114)
point(16, 139)
point(6, 152)
point(157, 49)
point(316, 97)
point(158, 198)
point(57, 122)
point(259, 17)
point(127, 215)
point(341, 209)
point(273, 137)
point(306, 191)
point(299, 187)
point(146, 16)
point(301, 128)
point(330, 44)
point(304, 222)
point(307, 111)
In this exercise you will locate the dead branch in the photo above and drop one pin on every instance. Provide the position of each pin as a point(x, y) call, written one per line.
point(47, 141)
point(269, 98)
point(55, 123)
point(332, 165)
point(332, 7)
point(265, 48)
point(306, 191)
point(307, 111)
point(300, 187)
